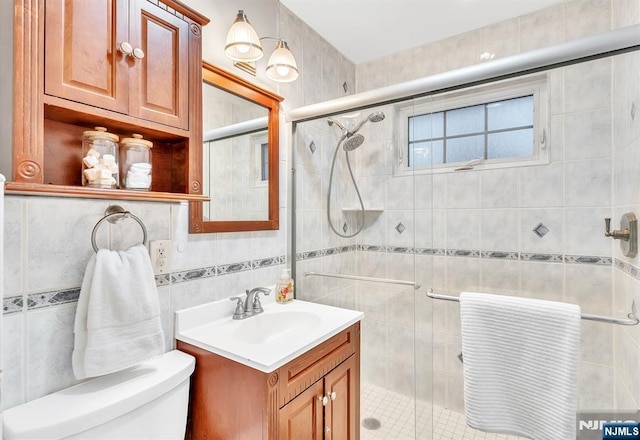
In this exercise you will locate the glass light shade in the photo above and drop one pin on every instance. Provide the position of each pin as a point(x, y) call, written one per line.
point(243, 43)
point(282, 65)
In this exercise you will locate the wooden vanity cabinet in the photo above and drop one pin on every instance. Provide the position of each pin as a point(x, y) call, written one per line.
point(70, 76)
point(315, 396)
point(326, 410)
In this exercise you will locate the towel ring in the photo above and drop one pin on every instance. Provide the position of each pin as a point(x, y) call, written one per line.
point(115, 214)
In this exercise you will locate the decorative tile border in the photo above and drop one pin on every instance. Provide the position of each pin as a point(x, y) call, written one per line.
point(300, 256)
point(547, 258)
point(14, 304)
point(501, 255)
point(627, 268)
point(467, 253)
point(583, 259)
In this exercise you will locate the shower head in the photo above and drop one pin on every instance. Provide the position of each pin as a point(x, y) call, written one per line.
point(332, 121)
point(376, 117)
point(373, 117)
point(353, 142)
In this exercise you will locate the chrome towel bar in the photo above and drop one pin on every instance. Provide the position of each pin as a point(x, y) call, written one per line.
point(114, 214)
point(359, 278)
point(632, 318)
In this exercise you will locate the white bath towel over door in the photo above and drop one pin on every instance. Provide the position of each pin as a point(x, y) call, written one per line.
point(520, 365)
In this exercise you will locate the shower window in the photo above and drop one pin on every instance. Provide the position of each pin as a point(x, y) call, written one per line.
point(260, 153)
point(495, 126)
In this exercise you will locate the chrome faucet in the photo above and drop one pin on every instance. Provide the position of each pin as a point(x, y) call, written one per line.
point(251, 304)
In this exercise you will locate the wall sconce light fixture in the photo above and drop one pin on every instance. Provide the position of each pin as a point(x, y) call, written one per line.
point(243, 47)
point(243, 43)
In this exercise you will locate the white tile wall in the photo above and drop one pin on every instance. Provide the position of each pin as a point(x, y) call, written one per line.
point(498, 209)
point(626, 143)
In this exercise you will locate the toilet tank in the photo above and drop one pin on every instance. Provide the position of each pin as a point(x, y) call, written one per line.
point(147, 401)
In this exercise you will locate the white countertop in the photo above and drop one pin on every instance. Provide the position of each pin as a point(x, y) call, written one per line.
point(265, 341)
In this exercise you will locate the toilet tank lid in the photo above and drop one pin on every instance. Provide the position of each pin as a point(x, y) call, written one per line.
point(98, 400)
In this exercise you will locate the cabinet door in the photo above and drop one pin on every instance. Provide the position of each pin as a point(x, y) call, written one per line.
point(81, 61)
point(341, 418)
point(159, 90)
point(302, 417)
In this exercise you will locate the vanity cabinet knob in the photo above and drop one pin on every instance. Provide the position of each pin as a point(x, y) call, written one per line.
point(324, 400)
point(138, 53)
point(125, 48)
point(332, 396)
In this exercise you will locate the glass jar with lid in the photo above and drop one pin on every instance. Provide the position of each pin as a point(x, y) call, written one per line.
point(135, 159)
point(100, 159)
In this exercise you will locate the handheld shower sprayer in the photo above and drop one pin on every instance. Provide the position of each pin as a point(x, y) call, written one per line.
point(352, 140)
point(373, 117)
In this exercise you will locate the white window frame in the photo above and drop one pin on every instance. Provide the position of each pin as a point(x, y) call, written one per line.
point(257, 141)
point(508, 89)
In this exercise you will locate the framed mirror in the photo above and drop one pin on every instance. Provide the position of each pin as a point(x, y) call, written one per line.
point(239, 156)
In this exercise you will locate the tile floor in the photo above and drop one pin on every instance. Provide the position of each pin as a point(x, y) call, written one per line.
point(401, 419)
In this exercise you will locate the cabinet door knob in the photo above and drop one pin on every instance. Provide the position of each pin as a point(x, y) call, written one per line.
point(324, 400)
point(138, 53)
point(332, 395)
point(125, 48)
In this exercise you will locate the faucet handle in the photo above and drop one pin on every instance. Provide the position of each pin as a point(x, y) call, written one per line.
point(264, 290)
point(240, 312)
point(257, 306)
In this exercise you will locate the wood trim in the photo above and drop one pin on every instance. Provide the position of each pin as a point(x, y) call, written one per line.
point(39, 189)
point(244, 89)
point(28, 86)
point(174, 6)
point(238, 85)
point(300, 373)
point(193, 171)
point(82, 114)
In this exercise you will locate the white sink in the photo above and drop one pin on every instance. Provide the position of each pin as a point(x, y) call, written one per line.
point(265, 341)
point(276, 326)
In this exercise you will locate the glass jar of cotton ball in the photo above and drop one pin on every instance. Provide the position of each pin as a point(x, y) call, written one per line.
point(99, 159)
point(135, 157)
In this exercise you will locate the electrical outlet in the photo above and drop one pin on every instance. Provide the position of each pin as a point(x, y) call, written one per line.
point(160, 251)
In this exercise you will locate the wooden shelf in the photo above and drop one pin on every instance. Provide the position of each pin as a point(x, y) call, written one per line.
point(76, 113)
point(36, 189)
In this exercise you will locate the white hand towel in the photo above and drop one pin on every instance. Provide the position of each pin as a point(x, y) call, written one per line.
point(520, 365)
point(118, 317)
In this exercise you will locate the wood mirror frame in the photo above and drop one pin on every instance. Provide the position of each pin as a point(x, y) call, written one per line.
point(237, 86)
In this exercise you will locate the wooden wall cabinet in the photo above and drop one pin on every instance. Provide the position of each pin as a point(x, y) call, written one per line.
point(85, 63)
point(71, 76)
point(313, 397)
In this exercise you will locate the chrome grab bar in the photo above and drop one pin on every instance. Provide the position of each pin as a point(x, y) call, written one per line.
point(632, 318)
point(359, 278)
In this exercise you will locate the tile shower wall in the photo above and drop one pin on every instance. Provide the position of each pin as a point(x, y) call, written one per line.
point(626, 198)
point(47, 244)
point(533, 231)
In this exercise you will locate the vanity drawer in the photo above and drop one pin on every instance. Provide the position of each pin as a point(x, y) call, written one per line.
point(302, 372)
